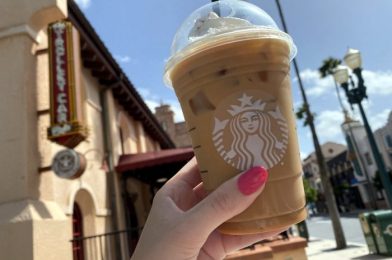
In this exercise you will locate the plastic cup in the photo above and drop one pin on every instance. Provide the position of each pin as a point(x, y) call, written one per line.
point(230, 68)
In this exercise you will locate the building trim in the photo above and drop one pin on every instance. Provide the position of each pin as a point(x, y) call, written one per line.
point(20, 29)
point(75, 188)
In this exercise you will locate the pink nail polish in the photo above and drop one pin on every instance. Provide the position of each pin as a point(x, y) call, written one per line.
point(250, 181)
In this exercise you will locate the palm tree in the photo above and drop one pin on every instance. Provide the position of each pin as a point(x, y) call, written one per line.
point(328, 66)
point(327, 69)
point(329, 195)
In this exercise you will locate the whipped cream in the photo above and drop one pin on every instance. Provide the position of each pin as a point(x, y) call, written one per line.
point(213, 24)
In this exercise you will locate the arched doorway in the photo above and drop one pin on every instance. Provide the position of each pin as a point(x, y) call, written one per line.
point(77, 230)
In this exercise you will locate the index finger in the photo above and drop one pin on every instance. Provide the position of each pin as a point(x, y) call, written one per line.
point(189, 174)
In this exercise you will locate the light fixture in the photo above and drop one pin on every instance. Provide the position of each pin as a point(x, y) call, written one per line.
point(353, 59)
point(341, 74)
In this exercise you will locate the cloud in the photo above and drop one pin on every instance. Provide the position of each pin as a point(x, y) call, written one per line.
point(316, 85)
point(303, 155)
point(376, 119)
point(151, 105)
point(377, 82)
point(124, 59)
point(379, 120)
point(84, 4)
point(328, 125)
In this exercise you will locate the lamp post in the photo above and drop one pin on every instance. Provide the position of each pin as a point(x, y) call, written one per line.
point(329, 195)
point(355, 95)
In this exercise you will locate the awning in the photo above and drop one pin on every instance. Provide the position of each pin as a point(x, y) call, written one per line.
point(152, 166)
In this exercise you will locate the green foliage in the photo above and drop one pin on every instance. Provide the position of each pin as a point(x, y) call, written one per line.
point(310, 193)
point(301, 114)
point(328, 66)
point(339, 189)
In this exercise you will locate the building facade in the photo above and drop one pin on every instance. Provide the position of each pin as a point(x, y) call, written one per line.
point(310, 166)
point(344, 183)
point(177, 131)
point(363, 160)
point(98, 215)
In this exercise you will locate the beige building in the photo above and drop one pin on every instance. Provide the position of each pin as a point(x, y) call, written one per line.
point(98, 215)
point(178, 132)
point(363, 160)
point(310, 165)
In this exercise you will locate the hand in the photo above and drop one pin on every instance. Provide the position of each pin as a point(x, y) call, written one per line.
point(183, 219)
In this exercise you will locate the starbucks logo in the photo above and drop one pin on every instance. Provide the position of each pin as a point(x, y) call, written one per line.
point(249, 132)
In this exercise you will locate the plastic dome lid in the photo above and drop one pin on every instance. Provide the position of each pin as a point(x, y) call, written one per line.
point(219, 18)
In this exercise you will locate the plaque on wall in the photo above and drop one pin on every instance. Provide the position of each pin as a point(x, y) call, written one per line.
point(69, 164)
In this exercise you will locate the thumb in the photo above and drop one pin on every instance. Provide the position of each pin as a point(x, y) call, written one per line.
point(227, 201)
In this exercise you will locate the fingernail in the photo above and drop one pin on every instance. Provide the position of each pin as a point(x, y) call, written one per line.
point(250, 181)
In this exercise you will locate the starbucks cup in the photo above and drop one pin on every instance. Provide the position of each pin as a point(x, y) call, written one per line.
point(230, 68)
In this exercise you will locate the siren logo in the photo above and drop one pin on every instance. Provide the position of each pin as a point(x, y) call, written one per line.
point(250, 132)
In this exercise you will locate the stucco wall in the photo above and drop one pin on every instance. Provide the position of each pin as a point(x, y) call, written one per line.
point(36, 206)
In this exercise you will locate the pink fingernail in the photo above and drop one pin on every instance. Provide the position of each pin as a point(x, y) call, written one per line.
point(250, 181)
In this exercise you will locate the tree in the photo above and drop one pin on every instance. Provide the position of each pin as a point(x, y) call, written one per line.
point(309, 120)
point(328, 66)
point(310, 193)
point(327, 69)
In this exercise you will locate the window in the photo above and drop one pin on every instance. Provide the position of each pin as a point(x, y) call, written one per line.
point(388, 140)
point(164, 126)
point(368, 158)
point(121, 140)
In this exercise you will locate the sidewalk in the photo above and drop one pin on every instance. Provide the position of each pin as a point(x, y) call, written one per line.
point(322, 249)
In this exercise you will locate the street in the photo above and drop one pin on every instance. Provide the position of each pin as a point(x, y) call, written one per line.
point(321, 227)
point(322, 241)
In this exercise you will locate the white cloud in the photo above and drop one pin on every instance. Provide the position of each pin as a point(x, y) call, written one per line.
point(379, 120)
point(151, 104)
point(376, 119)
point(297, 104)
point(377, 82)
point(122, 59)
point(303, 155)
point(328, 125)
point(316, 85)
point(84, 4)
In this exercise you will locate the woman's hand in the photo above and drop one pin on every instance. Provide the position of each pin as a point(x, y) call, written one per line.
point(183, 219)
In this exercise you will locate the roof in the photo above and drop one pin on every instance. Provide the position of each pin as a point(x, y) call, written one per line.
point(103, 66)
point(131, 162)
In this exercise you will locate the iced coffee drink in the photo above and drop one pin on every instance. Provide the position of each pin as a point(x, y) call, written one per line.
point(233, 83)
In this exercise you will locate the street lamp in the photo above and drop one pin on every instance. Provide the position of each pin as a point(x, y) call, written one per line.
point(355, 95)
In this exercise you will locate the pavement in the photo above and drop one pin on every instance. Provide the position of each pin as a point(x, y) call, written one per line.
point(324, 249)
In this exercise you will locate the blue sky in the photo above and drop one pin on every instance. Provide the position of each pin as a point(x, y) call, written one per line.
point(139, 35)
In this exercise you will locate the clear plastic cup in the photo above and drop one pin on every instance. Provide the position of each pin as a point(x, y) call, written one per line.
point(230, 68)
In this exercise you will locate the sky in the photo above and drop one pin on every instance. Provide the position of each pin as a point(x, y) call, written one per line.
point(139, 36)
